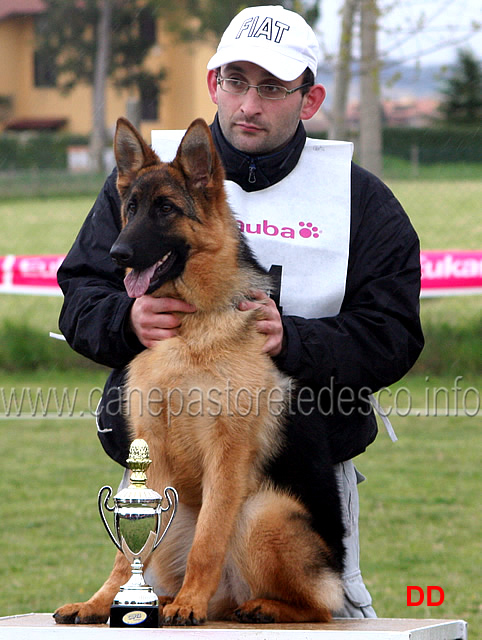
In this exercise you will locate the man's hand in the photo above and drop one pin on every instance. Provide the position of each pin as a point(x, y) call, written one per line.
point(269, 323)
point(154, 319)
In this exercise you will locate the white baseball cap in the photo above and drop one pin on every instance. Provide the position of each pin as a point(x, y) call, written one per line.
point(278, 40)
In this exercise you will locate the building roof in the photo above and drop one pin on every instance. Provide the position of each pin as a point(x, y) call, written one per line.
point(10, 8)
point(35, 124)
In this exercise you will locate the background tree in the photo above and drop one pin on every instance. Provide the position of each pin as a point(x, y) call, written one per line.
point(358, 38)
point(90, 41)
point(367, 12)
point(343, 72)
point(211, 17)
point(370, 95)
point(462, 93)
point(101, 65)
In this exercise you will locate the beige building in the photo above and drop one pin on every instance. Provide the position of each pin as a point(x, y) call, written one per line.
point(28, 99)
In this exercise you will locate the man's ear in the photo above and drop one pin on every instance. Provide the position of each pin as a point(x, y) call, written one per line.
point(213, 84)
point(312, 101)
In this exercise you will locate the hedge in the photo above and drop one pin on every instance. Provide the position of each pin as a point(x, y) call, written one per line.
point(36, 150)
point(433, 144)
point(451, 144)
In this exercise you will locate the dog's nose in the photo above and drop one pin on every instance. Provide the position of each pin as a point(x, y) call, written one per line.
point(121, 254)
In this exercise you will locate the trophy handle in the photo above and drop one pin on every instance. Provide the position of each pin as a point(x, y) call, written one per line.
point(104, 502)
point(173, 502)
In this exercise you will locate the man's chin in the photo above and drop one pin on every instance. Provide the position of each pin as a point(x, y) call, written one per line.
point(249, 142)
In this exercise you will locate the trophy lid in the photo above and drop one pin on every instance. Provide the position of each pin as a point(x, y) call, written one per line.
point(138, 462)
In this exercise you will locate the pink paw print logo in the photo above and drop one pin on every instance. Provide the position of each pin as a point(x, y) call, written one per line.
point(308, 230)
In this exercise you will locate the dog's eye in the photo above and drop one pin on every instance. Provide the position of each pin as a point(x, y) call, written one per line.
point(131, 207)
point(165, 208)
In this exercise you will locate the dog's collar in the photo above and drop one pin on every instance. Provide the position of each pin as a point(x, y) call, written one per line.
point(253, 173)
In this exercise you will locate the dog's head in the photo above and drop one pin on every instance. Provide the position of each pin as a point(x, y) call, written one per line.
point(163, 204)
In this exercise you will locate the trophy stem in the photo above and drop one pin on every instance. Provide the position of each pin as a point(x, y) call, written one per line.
point(136, 581)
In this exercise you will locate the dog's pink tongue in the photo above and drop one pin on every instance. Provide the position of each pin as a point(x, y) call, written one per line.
point(137, 282)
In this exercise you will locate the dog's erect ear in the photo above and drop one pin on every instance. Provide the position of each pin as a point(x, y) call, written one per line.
point(197, 157)
point(131, 153)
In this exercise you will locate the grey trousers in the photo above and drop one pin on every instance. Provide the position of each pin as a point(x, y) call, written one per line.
point(358, 602)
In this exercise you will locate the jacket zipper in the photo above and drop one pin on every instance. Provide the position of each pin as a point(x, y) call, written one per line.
point(252, 171)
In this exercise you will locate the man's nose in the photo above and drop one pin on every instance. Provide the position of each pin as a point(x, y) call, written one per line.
point(251, 100)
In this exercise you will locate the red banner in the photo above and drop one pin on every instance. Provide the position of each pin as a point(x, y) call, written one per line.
point(30, 274)
point(444, 273)
point(451, 273)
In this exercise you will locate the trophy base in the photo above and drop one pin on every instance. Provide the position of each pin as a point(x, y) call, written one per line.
point(122, 615)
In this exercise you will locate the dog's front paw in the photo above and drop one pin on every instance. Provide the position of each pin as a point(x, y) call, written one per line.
point(181, 613)
point(80, 613)
point(256, 614)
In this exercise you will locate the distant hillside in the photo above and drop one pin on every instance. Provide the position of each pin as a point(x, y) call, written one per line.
point(397, 81)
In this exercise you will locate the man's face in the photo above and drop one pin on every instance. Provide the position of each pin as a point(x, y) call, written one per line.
point(252, 124)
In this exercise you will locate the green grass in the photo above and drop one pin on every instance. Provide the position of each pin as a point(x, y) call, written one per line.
point(401, 169)
point(47, 182)
point(24, 347)
point(56, 548)
point(446, 214)
point(431, 395)
point(420, 516)
point(65, 394)
point(453, 336)
point(38, 226)
point(41, 225)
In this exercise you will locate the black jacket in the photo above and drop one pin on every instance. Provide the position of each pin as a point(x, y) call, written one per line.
point(371, 343)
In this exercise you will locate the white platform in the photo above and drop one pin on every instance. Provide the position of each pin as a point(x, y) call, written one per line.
point(41, 626)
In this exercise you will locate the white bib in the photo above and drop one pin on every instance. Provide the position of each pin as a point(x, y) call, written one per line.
point(301, 224)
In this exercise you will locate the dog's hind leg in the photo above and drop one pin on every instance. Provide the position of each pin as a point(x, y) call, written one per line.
point(97, 609)
point(285, 562)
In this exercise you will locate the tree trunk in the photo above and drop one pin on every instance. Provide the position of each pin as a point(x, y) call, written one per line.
point(370, 106)
point(343, 73)
point(98, 135)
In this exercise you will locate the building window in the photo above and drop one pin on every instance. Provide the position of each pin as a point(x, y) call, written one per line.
point(45, 74)
point(147, 26)
point(149, 94)
point(44, 67)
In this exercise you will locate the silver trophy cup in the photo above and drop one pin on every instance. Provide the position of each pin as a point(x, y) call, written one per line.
point(137, 524)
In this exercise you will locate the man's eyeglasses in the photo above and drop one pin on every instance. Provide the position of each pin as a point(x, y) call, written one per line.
point(266, 91)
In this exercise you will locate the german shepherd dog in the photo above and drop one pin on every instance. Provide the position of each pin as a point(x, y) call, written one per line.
point(239, 547)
